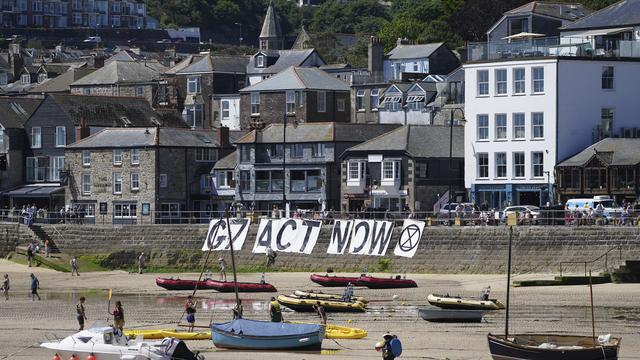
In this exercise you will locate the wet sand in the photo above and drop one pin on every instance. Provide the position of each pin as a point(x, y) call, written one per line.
point(564, 309)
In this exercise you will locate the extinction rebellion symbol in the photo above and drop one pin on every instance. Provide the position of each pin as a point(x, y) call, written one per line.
point(411, 239)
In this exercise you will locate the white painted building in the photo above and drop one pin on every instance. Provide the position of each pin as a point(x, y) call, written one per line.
point(230, 111)
point(525, 115)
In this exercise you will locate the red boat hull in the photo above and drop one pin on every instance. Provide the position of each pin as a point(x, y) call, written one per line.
point(333, 281)
point(181, 284)
point(385, 283)
point(229, 286)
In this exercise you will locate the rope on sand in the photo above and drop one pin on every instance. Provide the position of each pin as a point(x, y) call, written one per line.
point(22, 349)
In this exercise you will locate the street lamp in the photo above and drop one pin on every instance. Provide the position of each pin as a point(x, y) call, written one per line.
point(462, 121)
point(240, 25)
point(548, 173)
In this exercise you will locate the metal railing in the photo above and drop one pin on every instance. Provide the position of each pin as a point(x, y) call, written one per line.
point(585, 263)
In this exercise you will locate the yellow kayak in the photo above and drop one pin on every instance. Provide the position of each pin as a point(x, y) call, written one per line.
point(324, 296)
point(163, 333)
point(340, 332)
point(306, 305)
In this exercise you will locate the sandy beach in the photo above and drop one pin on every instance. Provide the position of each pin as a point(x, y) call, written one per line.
point(564, 309)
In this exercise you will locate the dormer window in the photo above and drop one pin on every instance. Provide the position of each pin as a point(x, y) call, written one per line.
point(25, 79)
point(260, 61)
point(42, 77)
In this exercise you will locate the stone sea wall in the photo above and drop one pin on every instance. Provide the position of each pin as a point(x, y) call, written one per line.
point(441, 250)
point(12, 235)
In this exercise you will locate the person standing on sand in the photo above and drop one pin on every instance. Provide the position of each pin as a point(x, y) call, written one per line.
point(35, 285)
point(74, 266)
point(30, 254)
point(190, 309)
point(321, 312)
point(5, 286)
point(118, 316)
point(275, 312)
point(46, 248)
point(141, 263)
point(237, 310)
point(223, 269)
point(81, 316)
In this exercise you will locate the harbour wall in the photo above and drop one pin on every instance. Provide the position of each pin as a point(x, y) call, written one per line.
point(441, 249)
point(12, 235)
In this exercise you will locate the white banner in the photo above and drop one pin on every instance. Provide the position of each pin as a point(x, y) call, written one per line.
point(361, 237)
point(340, 236)
point(218, 236)
point(380, 238)
point(409, 238)
point(287, 235)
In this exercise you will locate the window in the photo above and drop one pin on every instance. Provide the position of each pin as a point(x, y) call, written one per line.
point(269, 181)
point(356, 170)
point(86, 91)
point(115, 6)
point(607, 77)
point(193, 85)
point(296, 150)
point(117, 157)
point(4, 78)
point(501, 81)
point(538, 79)
point(483, 165)
point(375, 94)
point(115, 21)
point(501, 165)
point(518, 126)
point(275, 151)
point(36, 137)
point(86, 158)
point(42, 77)
point(537, 120)
point(135, 156)
point(538, 164)
point(206, 155)
point(606, 121)
point(501, 126)
point(61, 136)
point(224, 105)
point(25, 79)
point(341, 104)
point(415, 102)
point(117, 183)
point(322, 101)
point(483, 127)
point(37, 20)
point(164, 180)
point(360, 100)
point(245, 153)
point(135, 181)
point(390, 170)
point(291, 102)
point(260, 61)
point(483, 82)
point(422, 170)
point(86, 184)
point(306, 181)
point(125, 210)
point(317, 150)
point(57, 166)
point(518, 164)
point(518, 81)
point(139, 91)
point(225, 180)
point(255, 103)
point(245, 180)
point(192, 115)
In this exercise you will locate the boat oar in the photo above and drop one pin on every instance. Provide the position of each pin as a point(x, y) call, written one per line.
point(109, 304)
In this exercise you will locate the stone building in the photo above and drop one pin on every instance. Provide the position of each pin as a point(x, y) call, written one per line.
point(145, 175)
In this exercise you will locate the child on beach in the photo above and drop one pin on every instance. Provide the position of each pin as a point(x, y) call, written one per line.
point(81, 316)
point(118, 316)
point(5, 287)
point(190, 309)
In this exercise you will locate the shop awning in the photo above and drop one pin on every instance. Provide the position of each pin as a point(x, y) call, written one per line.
point(36, 191)
point(599, 32)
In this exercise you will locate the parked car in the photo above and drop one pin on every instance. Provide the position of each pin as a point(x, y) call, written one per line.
point(469, 213)
point(528, 213)
point(611, 210)
point(93, 39)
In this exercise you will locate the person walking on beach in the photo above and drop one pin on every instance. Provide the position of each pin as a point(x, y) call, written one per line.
point(223, 269)
point(348, 293)
point(35, 285)
point(389, 351)
point(190, 309)
point(118, 316)
point(271, 257)
point(275, 311)
point(46, 248)
point(141, 263)
point(74, 266)
point(237, 310)
point(5, 287)
point(321, 312)
point(30, 254)
point(81, 315)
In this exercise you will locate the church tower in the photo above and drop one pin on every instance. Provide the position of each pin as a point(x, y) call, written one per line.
point(271, 35)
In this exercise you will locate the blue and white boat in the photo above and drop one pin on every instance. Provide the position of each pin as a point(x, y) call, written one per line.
point(265, 335)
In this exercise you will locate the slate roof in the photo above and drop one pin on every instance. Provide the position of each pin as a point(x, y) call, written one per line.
point(271, 25)
point(286, 58)
point(125, 55)
point(300, 78)
point(108, 111)
point(17, 110)
point(413, 51)
point(558, 10)
point(611, 151)
point(623, 13)
point(183, 64)
point(119, 72)
point(214, 63)
point(317, 132)
point(148, 136)
point(417, 141)
point(61, 82)
point(227, 162)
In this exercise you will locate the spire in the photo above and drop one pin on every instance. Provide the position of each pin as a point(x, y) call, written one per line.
point(271, 35)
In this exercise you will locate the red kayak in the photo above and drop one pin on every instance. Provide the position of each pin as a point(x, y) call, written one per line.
point(386, 283)
point(334, 281)
point(229, 286)
point(180, 284)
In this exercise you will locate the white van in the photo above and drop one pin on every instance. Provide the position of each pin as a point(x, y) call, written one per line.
point(611, 209)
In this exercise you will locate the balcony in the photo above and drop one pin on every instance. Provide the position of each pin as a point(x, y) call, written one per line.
point(554, 46)
point(43, 174)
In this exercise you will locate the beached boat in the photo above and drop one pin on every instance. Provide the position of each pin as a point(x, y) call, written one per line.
point(333, 331)
point(181, 284)
point(334, 281)
point(229, 286)
point(264, 335)
point(553, 347)
point(323, 296)
point(106, 344)
point(397, 282)
point(464, 303)
point(306, 305)
point(163, 333)
point(450, 315)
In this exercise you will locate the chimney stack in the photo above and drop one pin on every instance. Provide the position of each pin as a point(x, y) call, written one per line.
point(83, 130)
point(222, 137)
point(376, 59)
